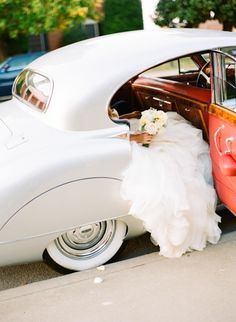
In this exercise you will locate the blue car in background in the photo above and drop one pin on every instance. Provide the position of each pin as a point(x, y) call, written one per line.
point(10, 68)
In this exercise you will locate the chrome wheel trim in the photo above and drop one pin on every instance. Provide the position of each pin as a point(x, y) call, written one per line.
point(87, 241)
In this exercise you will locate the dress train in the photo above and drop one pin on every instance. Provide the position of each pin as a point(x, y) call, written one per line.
point(169, 186)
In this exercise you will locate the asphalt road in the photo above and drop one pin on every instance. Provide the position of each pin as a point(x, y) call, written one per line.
point(13, 276)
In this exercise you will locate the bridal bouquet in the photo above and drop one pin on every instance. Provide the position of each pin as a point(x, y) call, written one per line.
point(152, 121)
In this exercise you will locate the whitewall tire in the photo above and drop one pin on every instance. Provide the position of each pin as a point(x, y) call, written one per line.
point(88, 246)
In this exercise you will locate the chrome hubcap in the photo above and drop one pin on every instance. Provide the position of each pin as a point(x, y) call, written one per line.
point(84, 234)
point(87, 241)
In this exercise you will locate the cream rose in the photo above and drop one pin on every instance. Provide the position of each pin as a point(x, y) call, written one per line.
point(151, 128)
point(161, 118)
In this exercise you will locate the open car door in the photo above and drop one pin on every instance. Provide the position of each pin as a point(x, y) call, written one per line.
point(222, 126)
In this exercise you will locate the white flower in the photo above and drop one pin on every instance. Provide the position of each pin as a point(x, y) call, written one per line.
point(142, 122)
point(152, 128)
point(161, 118)
point(150, 114)
point(152, 120)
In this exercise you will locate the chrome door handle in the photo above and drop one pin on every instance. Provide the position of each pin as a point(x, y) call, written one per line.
point(229, 144)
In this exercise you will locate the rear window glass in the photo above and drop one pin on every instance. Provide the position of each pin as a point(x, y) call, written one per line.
point(33, 88)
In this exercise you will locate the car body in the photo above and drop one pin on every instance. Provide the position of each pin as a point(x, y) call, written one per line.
point(10, 68)
point(62, 157)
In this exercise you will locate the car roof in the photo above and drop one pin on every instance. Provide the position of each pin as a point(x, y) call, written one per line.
point(89, 72)
point(118, 46)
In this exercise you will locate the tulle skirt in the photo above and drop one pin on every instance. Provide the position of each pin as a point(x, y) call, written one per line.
point(169, 186)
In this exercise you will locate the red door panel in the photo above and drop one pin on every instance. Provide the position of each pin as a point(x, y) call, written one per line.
point(222, 133)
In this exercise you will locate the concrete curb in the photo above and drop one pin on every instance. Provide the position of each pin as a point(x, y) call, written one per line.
point(200, 286)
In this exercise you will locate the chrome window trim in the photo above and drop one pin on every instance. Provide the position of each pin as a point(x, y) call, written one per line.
point(217, 91)
point(223, 53)
point(26, 102)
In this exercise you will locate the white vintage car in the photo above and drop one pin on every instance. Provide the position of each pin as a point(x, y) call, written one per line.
point(62, 157)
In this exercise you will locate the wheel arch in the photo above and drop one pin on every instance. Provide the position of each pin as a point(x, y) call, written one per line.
point(66, 206)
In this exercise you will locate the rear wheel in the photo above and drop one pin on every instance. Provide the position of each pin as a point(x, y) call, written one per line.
point(88, 246)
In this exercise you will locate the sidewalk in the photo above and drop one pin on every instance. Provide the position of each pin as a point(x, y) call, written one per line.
point(199, 287)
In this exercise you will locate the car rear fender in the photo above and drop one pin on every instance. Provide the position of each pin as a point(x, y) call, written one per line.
point(62, 174)
point(66, 206)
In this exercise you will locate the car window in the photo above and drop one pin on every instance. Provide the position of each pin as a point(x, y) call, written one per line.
point(164, 70)
point(187, 65)
point(33, 88)
point(225, 81)
point(193, 70)
point(175, 67)
point(229, 50)
point(21, 60)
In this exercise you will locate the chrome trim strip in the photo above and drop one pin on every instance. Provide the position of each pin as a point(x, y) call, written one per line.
point(215, 138)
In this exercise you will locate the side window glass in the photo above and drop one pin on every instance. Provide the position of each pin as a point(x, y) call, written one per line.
point(230, 80)
point(187, 65)
point(165, 70)
point(193, 70)
point(225, 81)
point(174, 68)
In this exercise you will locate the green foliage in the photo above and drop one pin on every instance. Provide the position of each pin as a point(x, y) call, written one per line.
point(24, 17)
point(190, 13)
point(121, 15)
point(226, 13)
point(166, 12)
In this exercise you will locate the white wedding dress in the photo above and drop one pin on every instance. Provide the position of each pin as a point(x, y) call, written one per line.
point(169, 186)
